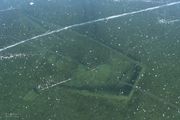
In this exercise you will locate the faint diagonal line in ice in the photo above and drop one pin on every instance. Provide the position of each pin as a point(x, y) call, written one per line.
point(153, 96)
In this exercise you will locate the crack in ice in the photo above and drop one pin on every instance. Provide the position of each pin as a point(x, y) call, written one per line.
point(90, 22)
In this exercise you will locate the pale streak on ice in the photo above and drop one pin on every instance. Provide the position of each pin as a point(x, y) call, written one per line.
point(164, 21)
point(8, 9)
point(11, 56)
point(90, 22)
point(173, 21)
point(56, 84)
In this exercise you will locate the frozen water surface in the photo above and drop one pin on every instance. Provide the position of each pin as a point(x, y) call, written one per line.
point(89, 59)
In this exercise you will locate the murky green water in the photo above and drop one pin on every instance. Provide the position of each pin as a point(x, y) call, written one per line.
point(52, 67)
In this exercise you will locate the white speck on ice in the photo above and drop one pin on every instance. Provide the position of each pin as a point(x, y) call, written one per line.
point(90, 51)
point(144, 110)
point(31, 3)
point(116, 0)
point(178, 97)
point(178, 111)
